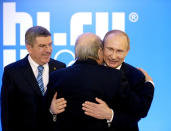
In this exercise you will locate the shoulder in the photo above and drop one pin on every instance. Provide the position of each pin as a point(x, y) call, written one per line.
point(131, 69)
point(110, 72)
point(57, 63)
point(110, 69)
point(132, 73)
point(16, 66)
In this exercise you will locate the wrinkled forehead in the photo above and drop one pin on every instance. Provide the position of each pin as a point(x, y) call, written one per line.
point(116, 40)
point(43, 39)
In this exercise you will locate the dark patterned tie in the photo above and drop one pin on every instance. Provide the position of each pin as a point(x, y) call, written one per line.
point(40, 79)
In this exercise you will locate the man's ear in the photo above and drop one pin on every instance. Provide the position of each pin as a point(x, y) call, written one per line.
point(100, 53)
point(100, 56)
point(126, 53)
point(28, 47)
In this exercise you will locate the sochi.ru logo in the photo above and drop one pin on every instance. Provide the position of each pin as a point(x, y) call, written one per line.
point(13, 41)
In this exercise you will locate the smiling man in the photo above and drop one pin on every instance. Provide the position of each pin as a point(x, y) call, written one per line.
point(124, 117)
point(116, 48)
point(25, 82)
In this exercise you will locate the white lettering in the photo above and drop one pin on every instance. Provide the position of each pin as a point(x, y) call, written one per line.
point(102, 22)
point(10, 19)
point(78, 20)
point(43, 19)
point(77, 23)
point(60, 39)
point(118, 21)
point(9, 56)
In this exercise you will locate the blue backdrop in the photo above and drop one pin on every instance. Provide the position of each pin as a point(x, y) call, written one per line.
point(147, 22)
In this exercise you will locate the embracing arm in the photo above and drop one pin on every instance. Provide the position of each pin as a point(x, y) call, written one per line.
point(133, 106)
point(53, 104)
point(7, 102)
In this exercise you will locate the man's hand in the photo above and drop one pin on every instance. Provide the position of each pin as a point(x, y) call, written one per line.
point(99, 111)
point(57, 105)
point(147, 77)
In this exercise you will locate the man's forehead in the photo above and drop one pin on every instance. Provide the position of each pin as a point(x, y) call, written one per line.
point(43, 39)
point(116, 42)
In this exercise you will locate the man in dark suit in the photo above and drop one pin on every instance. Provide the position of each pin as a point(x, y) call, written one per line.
point(21, 93)
point(86, 79)
point(116, 47)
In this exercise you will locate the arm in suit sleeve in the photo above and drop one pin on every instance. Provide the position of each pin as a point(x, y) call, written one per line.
point(7, 91)
point(48, 98)
point(134, 103)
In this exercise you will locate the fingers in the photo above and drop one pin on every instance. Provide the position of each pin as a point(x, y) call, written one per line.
point(60, 100)
point(87, 110)
point(89, 104)
point(91, 114)
point(90, 110)
point(88, 107)
point(58, 105)
point(61, 110)
point(147, 77)
point(93, 110)
point(100, 101)
point(55, 95)
point(142, 70)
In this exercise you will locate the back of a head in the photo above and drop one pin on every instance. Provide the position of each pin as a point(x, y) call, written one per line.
point(35, 31)
point(87, 46)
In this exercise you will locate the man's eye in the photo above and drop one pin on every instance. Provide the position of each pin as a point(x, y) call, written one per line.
point(110, 49)
point(41, 45)
point(120, 51)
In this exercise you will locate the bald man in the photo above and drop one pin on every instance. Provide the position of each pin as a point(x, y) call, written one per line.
point(86, 79)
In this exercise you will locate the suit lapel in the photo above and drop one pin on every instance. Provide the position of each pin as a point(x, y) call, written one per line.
point(123, 67)
point(52, 67)
point(29, 76)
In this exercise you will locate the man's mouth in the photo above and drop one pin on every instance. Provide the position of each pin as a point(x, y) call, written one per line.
point(113, 61)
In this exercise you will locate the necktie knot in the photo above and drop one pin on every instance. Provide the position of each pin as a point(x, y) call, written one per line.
point(40, 68)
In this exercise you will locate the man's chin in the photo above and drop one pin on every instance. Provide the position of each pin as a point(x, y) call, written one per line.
point(46, 61)
point(112, 65)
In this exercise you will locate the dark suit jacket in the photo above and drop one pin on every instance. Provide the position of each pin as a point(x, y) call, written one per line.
point(137, 104)
point(22, 102)
point(83, 81)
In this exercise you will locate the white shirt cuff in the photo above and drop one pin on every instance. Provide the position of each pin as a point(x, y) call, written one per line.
point(54, 115)
point(150, 82)
point(110, 121)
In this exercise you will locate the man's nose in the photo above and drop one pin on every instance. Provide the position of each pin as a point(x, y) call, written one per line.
point(48, 48)
point(114, 55)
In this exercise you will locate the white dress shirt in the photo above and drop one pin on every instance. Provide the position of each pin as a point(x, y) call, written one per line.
point(45, 75)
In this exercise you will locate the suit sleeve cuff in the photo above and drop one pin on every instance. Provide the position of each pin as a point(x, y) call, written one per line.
point(110, 121)
point(54, 115)
point(150, 82)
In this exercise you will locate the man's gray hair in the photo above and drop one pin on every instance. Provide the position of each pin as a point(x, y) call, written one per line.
point(87, 46)
point(34, 32)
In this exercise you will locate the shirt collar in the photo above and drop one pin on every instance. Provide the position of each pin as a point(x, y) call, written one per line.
point(118, 68)
point(33, 63)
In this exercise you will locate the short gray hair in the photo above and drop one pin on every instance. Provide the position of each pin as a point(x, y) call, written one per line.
point(34, 32)
point(87, 46)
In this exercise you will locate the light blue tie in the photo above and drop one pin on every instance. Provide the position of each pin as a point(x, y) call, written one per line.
point(40, 79)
